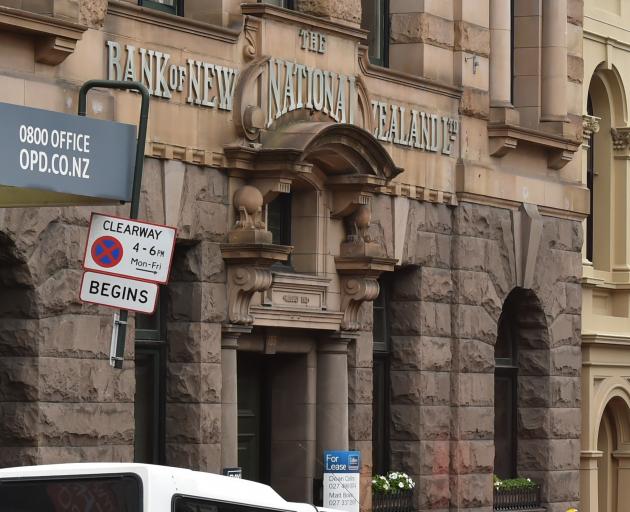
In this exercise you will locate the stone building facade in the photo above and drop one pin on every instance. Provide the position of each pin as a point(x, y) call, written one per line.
point(384, 258)
point(605, 332)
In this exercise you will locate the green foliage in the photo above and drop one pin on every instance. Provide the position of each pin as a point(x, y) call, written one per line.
point(511, 484)
point(393, 482)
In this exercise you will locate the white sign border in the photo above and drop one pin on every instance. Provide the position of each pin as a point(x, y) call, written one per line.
point(157, 294)
point(115, 274)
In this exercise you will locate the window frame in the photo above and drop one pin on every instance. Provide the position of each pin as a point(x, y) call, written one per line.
point(151, 343)
point(384, 35)
point(176, 10)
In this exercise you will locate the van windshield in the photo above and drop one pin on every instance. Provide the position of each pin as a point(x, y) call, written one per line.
point(120, 493)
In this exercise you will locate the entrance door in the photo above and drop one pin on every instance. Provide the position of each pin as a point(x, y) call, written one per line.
point(253, 416)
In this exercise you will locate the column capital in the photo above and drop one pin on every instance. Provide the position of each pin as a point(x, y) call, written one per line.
point(230, 333)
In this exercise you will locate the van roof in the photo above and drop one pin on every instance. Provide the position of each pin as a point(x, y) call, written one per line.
point(182, 481)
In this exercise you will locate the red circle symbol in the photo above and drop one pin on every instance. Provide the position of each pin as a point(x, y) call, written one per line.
point(107, 251)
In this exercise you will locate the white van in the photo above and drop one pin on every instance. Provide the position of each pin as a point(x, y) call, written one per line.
point(113, 487)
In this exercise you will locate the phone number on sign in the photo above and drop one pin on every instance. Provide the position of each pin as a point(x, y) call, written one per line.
point(54, 163)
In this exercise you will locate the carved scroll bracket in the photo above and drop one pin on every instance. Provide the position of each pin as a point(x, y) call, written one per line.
point(249, 272)
point(355, 290)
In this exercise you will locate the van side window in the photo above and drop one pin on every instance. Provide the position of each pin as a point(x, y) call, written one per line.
point(186, 504)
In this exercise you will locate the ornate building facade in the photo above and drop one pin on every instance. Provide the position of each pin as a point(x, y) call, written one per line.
point(379, 212)
point(605, 323)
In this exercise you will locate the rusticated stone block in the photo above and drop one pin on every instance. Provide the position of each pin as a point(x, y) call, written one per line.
point(473, 356)
point(472, 457)
point(565, 423)
point(407, 284)
point(533, 423)
point(472, 38)
point(533, 392)
point(433, 492)
point(199, 457)
point(360, 421)
point(476, 288)
point(84, 380)
point(360, 351)
point(406, 353)
point(472, 491)
point(435, 388)
point(197, 302)
point(469, 253)
point(436, 285)
point(22, 428)
point(200, 382)
point(360, 386)
point(563, 331)
point(533, 362)
point(199, 262)
point(421, 249)
point(417, 27)
point(563, 486)
point(575, 68)
point(420, 457)
point(553, 454)
point(473, 322)
point(85, 424)
point(475, 103)
point(197, 342)
point(105, 453)
point(58, 294)
point(481, 221)
point(438, 218)
point(573, 300)
point(19, 337)
point(74, 336)
point(428, 318)
point(405, 423)
point(19, 379)
point(14, 456)
point(202, 219)
point(346, 10)
point(566, 361)
point(473, 423)
point(473, 389)
point(435, 422)
point(565, 391)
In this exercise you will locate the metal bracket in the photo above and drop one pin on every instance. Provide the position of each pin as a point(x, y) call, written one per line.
point(475, 62)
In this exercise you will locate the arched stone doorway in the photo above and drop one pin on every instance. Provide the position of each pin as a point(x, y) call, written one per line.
point(522, 397)
point(613, 471)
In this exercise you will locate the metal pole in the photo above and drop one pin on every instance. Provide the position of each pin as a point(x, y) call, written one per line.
point(121, 322)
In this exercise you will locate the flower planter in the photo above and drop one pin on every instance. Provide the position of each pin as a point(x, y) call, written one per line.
point(399, 501)
point(517, 499)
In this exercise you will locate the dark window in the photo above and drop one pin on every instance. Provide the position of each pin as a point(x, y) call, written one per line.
point(380, 380)
point(184, 504)
point(505, 394)
point(375, 19)
point(122, 493)
point(287, 4)
point(170, 6)
point(590, 183)
point(279, 219)
point(150, 401)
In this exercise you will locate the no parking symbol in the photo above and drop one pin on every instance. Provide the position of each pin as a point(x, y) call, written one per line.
point(107, 251)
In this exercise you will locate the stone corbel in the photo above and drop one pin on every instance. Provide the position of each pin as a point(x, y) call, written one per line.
point(360, 263)
point(243, 282)
point(620, 138)
point(355, 290)
point(249, 254)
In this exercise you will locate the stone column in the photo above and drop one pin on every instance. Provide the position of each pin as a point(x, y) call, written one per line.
point(332, 395)
point(229, 405)
point(623, 478)
point(588, 480)
point(554, 61)
point(500, 50)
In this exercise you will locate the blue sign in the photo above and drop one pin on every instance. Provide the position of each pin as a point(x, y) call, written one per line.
point(342, 462)
point(65, 155)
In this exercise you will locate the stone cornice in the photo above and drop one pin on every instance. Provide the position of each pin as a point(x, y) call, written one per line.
point(56, 38)
point(400, 78)
point(505, 137)
point(169, 21)
point(273, 12)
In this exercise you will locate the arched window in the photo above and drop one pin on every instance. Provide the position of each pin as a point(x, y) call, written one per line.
point(590, 175)
point(505, 393)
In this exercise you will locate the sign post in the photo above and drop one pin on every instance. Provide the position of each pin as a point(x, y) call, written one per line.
point(116, 359)
point(341, 480)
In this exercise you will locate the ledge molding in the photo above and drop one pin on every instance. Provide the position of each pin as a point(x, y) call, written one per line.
point(55, 38)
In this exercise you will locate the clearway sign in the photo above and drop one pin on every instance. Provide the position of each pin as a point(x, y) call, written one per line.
point(129, 248)
point(118, 292)
point(53, 158)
